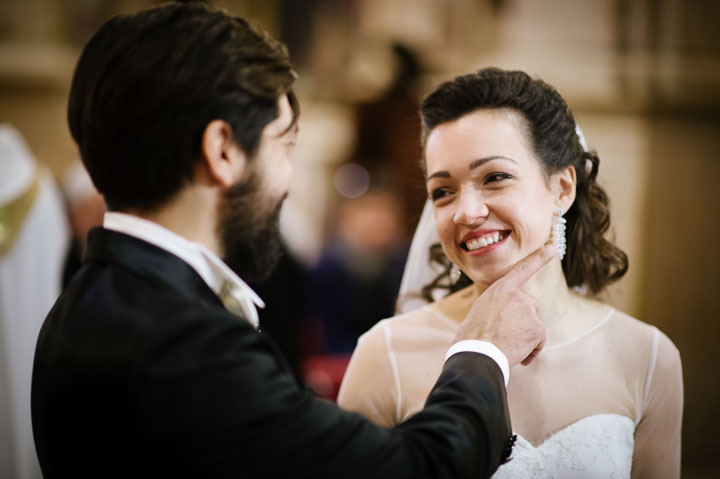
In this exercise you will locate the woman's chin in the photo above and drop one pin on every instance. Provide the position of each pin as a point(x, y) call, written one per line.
point(488, 275)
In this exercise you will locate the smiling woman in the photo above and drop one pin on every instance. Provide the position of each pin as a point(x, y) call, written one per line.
point(505, 170)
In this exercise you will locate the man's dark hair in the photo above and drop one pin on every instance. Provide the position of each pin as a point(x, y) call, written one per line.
point(148, 84)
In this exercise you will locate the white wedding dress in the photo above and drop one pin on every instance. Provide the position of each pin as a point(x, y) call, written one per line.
point(611, 408)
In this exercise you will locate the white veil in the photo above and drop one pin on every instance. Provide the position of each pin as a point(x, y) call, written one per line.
point(418, 269)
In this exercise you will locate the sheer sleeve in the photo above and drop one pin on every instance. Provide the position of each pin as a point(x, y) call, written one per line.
point(657, 435)
point(370, 386)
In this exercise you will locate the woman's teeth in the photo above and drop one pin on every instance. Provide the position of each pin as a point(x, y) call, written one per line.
point(485, 240)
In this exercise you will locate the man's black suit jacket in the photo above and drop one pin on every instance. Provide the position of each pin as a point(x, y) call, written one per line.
point(141, 372)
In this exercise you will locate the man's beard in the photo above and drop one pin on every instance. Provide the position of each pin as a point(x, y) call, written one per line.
point(249, 230)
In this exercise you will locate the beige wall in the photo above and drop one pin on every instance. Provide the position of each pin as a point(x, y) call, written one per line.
point(622, 142)
point(681, 289)
point(40, 117)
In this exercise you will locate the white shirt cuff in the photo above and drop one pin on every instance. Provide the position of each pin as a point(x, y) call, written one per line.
point(483, 347)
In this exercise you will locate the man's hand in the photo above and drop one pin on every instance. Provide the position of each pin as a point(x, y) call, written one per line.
point(507, 316)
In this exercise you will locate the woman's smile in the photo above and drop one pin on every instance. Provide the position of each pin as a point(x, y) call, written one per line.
point(483, 241)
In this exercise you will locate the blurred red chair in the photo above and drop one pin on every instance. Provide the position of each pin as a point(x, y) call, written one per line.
point(323, 373)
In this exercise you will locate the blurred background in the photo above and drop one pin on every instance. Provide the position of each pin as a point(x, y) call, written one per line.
point(642, 77)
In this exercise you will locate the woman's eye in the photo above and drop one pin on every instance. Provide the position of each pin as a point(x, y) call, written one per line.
point(497, 177)
point(438, 193)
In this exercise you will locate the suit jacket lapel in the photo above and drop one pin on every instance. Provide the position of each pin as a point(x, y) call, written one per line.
point(149, 262)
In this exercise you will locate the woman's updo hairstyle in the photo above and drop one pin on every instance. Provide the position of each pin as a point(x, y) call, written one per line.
point(592, 262)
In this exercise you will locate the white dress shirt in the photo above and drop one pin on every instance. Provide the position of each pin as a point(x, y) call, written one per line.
point(483, 347)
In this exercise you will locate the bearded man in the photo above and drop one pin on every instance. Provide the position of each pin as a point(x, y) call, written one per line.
point(150, 364)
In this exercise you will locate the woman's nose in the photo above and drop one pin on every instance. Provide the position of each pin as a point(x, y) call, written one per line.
point(470, 209)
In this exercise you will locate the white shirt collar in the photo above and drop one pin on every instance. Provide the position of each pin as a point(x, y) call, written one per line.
point(235, 294)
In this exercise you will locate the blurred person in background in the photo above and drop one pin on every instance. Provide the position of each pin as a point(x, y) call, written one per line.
point(507, 171)
point(34, 239)
point(150, 364)
point(354, 284)
point(356, 280)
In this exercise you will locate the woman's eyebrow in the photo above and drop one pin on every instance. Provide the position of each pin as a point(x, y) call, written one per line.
point(474, 164)
point(481, 161)
point(439, 174)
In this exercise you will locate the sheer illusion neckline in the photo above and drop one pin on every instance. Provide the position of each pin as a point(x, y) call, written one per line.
point(587, 332)
point(452, 323)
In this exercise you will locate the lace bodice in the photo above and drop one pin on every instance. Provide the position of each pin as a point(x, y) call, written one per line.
point(603, 404)
point(594, 447)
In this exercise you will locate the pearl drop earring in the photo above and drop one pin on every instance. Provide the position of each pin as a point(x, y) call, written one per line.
point(454, 274)
point(559, 233)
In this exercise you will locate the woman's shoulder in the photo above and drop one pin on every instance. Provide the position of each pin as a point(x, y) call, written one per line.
point(622, 324)
point(650, 360)
point(445, 313)
point(428, 327)
point(636, 329)
point(646, 342)
point(378, 333)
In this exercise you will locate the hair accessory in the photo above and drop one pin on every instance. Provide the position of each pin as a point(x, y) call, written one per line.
point(454, 274)
point(581, 138)
point(558, 233)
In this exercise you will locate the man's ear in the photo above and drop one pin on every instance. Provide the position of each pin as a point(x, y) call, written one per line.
point(565, 183)
point(223, 160)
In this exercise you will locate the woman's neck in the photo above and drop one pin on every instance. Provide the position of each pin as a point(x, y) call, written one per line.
point(558, 304)
point(555, 299)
